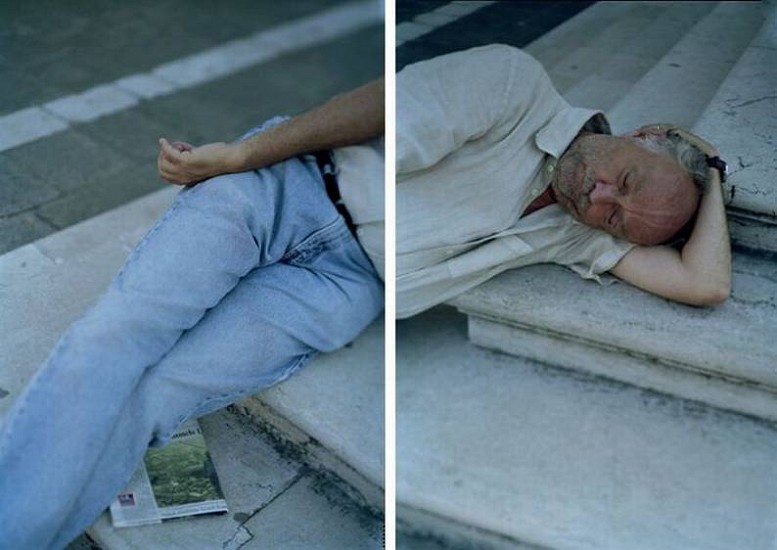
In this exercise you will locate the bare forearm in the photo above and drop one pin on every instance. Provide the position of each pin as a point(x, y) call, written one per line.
point(346, 119)
point(707, 255)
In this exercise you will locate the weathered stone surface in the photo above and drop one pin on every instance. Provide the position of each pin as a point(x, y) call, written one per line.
point(741, 121)
point(536, 455)
point(732, 343)
point(682, 83)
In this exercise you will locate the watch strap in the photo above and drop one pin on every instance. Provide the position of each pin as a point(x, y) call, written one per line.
point(720, 165)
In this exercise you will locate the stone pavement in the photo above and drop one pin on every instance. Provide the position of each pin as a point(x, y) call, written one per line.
point(51, 50)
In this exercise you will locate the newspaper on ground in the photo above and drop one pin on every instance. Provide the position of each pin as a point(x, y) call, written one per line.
point(173, 481)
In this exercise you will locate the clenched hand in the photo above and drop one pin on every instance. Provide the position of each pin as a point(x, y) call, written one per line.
point(184, 164)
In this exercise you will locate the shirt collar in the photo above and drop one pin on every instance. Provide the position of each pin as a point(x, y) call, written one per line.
point(556, 135)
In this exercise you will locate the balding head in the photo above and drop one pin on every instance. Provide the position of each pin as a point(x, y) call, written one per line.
point(630, 190)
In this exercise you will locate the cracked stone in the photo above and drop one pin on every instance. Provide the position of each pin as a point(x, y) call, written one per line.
point(239, 539)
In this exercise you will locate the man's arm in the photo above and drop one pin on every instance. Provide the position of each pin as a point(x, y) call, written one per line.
point(700, 274)
point(346, 119)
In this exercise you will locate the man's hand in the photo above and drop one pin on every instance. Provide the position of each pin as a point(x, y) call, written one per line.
point(184, 164)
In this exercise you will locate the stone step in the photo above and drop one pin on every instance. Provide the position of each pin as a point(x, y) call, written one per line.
point(331, 413)
point(274, 503)
point(608, 63)
point(742, 117)
point(723, 356)
point(495, 451)
point(332, 409)
point(680, 86)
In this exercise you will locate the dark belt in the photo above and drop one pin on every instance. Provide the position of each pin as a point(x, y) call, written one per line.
point(327, 168)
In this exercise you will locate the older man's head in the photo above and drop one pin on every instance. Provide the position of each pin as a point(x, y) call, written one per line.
point(633, 186)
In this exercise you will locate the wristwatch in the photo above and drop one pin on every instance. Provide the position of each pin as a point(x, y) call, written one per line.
point(720, 165)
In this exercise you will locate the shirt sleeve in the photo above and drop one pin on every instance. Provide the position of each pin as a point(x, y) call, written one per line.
point(448, 100)
point(596, 253)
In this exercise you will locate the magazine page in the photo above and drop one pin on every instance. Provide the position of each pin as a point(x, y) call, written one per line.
point(180, 480)
point(136, 505)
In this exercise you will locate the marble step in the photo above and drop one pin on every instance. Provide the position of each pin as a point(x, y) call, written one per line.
point(742, 117)
point(723, 356)
point(608, 63)
point(680, 86)
point(331, 412)
point(500, 452)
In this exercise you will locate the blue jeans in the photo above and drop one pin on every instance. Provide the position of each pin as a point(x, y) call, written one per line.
point(241, 282)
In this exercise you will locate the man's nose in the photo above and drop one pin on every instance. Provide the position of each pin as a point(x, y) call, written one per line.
point(602, 193)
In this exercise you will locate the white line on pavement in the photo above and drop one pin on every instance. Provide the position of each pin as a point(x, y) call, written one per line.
point(39, 121)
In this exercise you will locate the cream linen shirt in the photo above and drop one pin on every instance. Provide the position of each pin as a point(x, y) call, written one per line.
point(359, 170)
point(478, 135)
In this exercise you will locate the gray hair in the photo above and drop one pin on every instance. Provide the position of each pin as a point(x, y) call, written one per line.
point(686, 154)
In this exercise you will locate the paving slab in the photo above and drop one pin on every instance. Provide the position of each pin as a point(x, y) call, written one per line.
point(593, 58)
point(95, 197)
point(21, 229)
point(67, 161)
point(20, 192)
point(84, 46)
point(312, 514)
point(545, 457)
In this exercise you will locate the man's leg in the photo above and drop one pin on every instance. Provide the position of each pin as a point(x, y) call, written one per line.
point(253, 339)
point(214, 234)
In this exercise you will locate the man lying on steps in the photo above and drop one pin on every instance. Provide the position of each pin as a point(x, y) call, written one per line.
point(496, 171)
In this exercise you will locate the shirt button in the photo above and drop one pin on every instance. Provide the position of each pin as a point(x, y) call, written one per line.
point(533, 193)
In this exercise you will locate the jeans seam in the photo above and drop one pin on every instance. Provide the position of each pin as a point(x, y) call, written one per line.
point(326, 238)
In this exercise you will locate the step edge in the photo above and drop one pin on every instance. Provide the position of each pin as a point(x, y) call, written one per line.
point(453, 532)
point(311, 451)
point(738, 396)
point(477, 308)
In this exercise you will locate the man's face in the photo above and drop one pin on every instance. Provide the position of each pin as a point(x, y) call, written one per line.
point(614, 184)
